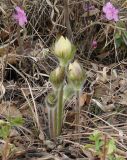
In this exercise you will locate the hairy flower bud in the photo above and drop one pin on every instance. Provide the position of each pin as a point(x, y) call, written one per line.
point(76, 75)
point(64, 50)
point(57, 76)
point(51, 100)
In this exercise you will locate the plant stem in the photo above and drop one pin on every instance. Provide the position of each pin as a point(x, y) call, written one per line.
point(77, 111)
point(60, 109)
point(52, 122)
point(20, 42)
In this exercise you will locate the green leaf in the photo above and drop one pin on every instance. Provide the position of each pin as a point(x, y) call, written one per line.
point(5, 131)
point(87, 146)
point(18, 121)
point(124, 36)
point(117, 35)
point(98, 145)
point(121, 24)
point(95, 135)
point(111, 157)
point(111, 147)
point(119, 42)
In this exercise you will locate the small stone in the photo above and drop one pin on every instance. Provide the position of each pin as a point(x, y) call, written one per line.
point(49, 144)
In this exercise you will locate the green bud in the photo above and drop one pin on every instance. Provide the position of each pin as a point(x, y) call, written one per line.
point(64, 50)
point(76, 75)
point(51, 100)
point(57, 76)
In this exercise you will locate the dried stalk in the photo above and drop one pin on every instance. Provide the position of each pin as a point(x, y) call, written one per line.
point(67, 20)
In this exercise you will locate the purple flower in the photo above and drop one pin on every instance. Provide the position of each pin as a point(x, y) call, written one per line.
point(94, 44)
point(111, 12)
point(88, 7)
point(20, 16)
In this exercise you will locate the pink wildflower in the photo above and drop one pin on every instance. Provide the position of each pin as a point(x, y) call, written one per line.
point(111, 12)
point(94, 44)
point(20, 16)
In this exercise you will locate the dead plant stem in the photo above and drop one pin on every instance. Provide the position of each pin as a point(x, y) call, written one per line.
point(20, 42)
point(67, 20)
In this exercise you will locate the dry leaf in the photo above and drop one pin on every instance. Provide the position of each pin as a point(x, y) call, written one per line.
point(124, 5)
point(101, 90)
point(103, 55)
point(102, 75)
point(105, 108)
point(9, 109)
point(14, 133)
point(41, 136)
point(84, 99)
point(91, 12)
point(3, 51)
point(11, 58)
point(123, 99)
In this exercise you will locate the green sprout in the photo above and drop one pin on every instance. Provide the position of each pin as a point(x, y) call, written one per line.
point(102, 146)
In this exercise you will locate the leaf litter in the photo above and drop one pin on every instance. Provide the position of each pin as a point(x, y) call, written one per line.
point(103, 99)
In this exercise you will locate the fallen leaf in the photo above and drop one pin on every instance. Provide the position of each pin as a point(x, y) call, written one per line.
point(103, 55)
point(84, 99)
point(41, 136)
point(9, 109)
point(3, 51)
point(11, 58)
point(103, 107)
point(102, 75)
point(91, 12)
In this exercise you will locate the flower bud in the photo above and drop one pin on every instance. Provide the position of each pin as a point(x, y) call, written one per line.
point(51, 100)
point(76, 75)
point(94, 44)
point(64, 50)
point(57, 76)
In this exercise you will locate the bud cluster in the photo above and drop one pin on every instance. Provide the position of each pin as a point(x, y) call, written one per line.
point(64, 50)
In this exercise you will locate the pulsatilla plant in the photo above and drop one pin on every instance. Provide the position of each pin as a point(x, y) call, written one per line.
point(64, 50)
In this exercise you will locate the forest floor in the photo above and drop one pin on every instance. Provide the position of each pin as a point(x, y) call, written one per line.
point(24, 81)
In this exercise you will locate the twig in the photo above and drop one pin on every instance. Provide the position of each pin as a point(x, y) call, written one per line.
point(67, 20)
point(20, 42)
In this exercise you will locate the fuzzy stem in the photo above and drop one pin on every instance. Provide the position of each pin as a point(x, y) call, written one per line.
point(52, 122)
point(60, 110)
point(77, 111)
point(20, 42)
